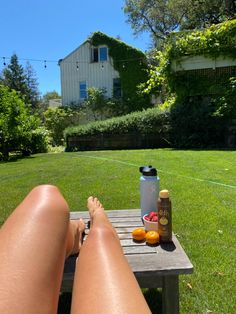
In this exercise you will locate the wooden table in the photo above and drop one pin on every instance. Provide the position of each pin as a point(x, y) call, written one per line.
point(154, 266)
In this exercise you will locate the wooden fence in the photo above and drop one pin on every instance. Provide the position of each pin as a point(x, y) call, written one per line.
point(115, 141)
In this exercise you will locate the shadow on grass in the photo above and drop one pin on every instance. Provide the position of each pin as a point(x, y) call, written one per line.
point(154, 299)
point(152, 296)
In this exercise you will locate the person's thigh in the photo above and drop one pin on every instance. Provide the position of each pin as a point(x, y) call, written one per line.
point(32, 253)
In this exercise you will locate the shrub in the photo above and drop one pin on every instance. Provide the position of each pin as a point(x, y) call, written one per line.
point(16, 123)
point(144, 122)
point(39, 140)
point(57, 119)
point(195, 125)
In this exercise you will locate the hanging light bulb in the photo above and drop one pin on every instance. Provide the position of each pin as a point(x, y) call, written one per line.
point(102, 66)
point(77, 65)
point(45, 64)
point(4, 61)
point(123, 66)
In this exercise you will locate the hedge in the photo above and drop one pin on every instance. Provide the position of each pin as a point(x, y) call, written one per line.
point(151, 121)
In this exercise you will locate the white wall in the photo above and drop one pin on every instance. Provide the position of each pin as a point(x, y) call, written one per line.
point(96, 74)
point(201, 62)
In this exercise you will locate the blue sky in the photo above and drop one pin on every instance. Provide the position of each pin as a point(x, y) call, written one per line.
point(49, 30)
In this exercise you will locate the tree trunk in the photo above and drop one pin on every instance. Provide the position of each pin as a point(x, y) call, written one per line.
point(5, 151)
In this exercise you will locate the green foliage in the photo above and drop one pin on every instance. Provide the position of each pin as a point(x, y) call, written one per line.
point(160, 18)
point(226, 104)
point(57, 119)
point(132, 66)
point(96, 102)
point(32, 95)
point(49, 96)
point(195, 125)
point(215, 41)
point(156, 17)
point(144, 122)
point(22, 80)
point(208, 12)
point(39, 140)
point(17, 125)
point(204, 105)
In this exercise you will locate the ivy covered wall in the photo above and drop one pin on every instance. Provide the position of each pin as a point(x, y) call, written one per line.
point(213, 42)
point(131, 64)
point(205, 99)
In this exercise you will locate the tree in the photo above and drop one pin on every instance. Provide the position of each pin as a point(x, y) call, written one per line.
point(48, 96)
point(158, 18)
point(57, 119)
point(204, 13)
point(32, 86)
point(16, 123)
point(22, 80)
point(161, 17)
point(96, 102)
point(14, 76)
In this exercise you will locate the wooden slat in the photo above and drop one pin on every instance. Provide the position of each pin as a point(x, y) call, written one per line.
point(147, 262)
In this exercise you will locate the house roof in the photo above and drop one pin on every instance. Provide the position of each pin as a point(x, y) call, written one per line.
point(93, 37)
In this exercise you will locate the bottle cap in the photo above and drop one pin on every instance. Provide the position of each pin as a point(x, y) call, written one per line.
point(148, 171)
point(164, 194)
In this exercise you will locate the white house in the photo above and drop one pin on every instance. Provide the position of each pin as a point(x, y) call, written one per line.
point(87, 66)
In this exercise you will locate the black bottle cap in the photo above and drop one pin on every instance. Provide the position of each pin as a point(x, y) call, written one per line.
point(148, 171)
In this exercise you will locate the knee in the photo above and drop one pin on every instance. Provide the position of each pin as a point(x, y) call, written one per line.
point(48, 198)
point(102, 233)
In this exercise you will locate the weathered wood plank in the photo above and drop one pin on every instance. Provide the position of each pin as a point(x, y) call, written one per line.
point(146, 261)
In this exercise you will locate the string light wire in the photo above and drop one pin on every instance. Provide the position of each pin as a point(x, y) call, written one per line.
point(76, 63)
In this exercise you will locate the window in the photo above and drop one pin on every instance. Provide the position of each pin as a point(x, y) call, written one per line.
point(116, 88)
point(103, 53)
point(82, 90)
point(99, 54)
point(94, 54)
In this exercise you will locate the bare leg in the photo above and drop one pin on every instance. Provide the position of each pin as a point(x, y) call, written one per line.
point(104, 282)
point(34, 242)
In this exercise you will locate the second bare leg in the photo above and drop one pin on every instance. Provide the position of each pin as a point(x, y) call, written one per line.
point(104, 282)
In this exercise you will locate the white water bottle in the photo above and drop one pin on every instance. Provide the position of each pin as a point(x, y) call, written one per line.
point(149, 190)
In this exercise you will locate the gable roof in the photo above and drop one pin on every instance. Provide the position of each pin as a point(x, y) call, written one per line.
point(99, 36)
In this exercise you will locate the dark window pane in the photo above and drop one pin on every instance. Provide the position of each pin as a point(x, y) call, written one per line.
point(95, 55)
point(116, 88)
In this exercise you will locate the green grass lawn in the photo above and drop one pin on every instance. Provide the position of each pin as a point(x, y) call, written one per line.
point(202, 187)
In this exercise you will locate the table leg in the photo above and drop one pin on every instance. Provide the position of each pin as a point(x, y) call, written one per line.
point(170, 294)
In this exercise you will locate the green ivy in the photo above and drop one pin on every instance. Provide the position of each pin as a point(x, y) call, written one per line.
point(131, 63)
point(212, 42)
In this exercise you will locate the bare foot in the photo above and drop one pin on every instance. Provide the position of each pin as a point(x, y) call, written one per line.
point(94, 206)
point(96, 210)
point(77, 228)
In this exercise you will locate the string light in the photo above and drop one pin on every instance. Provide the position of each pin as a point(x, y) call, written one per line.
point(69, 62)
point(76, 63)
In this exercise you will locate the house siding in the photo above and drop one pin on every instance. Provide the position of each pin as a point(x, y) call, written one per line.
point(95, 74)
point(200, 62)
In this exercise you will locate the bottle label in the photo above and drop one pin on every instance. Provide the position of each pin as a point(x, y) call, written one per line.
point(164, 221)
point(164, 217)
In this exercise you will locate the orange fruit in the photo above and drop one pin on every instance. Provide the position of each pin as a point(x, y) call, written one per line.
point(152, 237)
point(138, 234)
